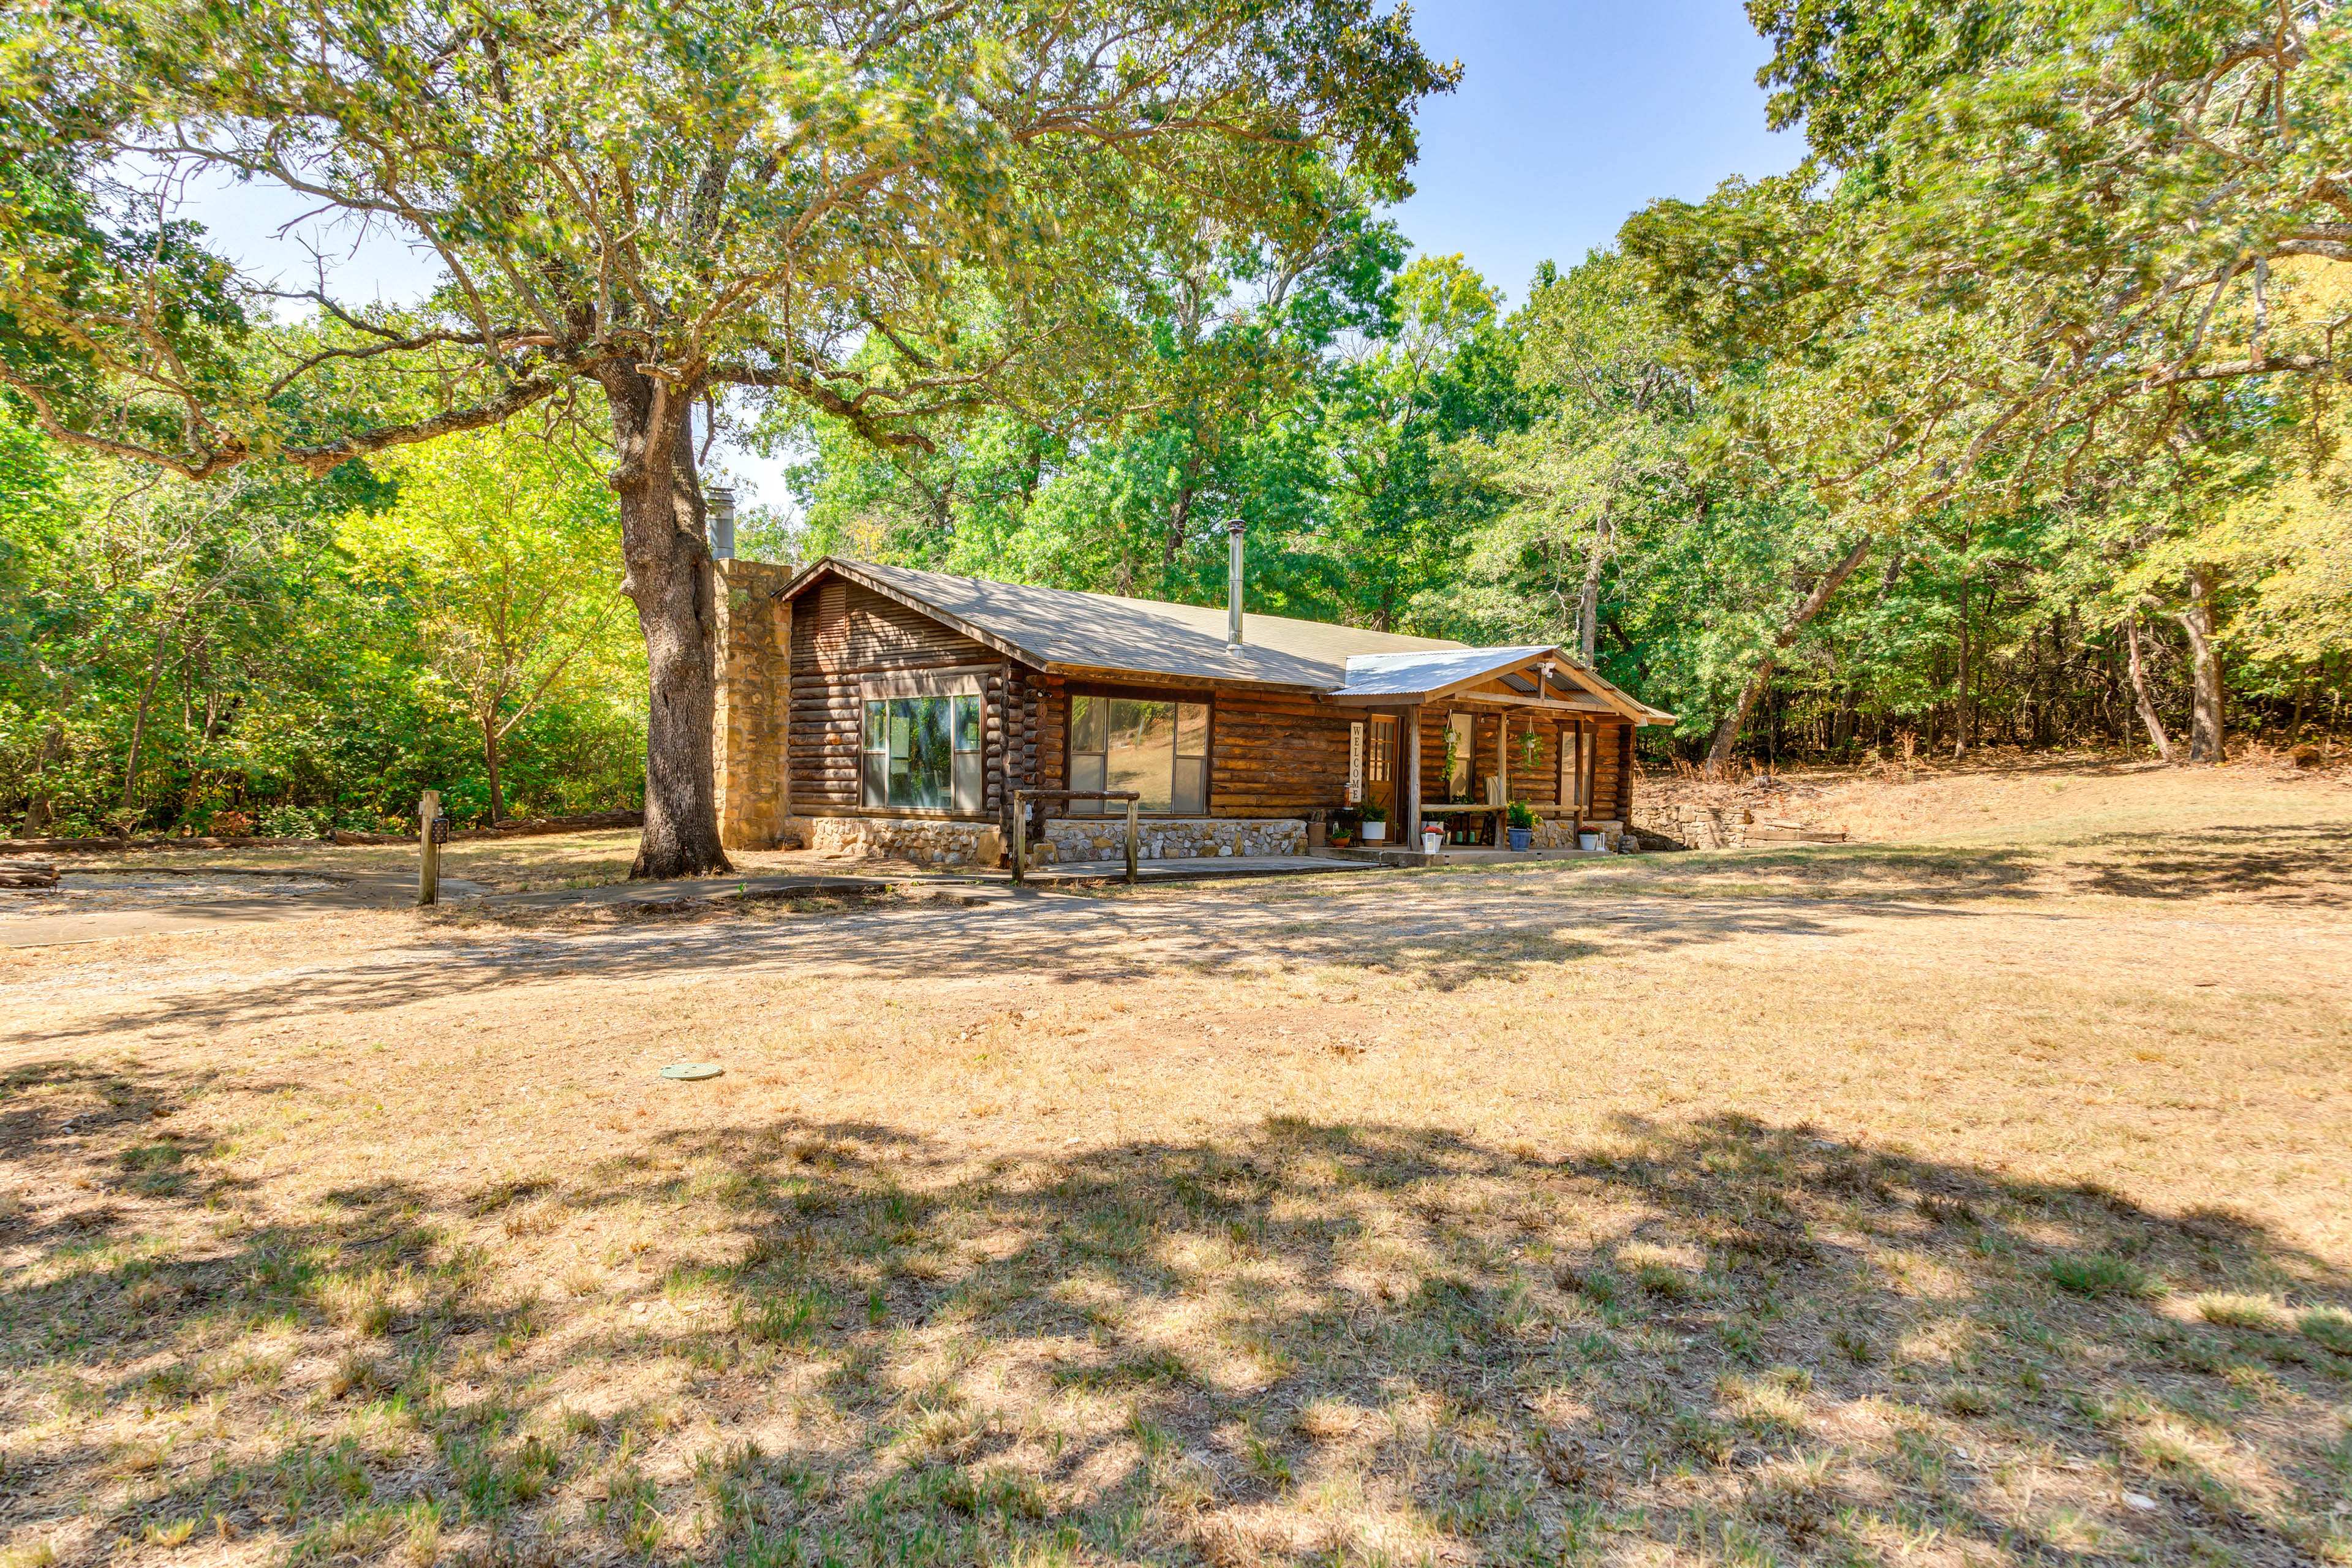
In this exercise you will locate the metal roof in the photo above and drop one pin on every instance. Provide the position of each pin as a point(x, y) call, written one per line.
point(1409, 674)
point(1061, 630)
point(1070, 633)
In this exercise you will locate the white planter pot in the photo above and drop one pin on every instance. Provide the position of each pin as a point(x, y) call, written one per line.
point(1376, 833)
point(1589, 843)
point(1433, 839)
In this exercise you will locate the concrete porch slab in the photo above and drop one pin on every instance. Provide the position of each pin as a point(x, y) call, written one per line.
point(1201, 868)
point(1466, 857)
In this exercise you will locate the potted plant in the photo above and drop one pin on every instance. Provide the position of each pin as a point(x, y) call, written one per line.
point(1376, 822)
point(1523, 824)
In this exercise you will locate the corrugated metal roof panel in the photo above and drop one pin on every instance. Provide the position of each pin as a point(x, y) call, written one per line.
point(1406, 673)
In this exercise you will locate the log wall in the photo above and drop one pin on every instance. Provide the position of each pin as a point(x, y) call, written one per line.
point(842, 631)
point(1277, 757)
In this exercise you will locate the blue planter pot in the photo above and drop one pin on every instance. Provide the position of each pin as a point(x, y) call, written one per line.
point(1522, 837)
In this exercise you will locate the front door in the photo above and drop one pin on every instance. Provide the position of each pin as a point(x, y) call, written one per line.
point(1380, 767)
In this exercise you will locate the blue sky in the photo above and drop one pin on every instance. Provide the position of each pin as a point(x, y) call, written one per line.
point(1569, 116)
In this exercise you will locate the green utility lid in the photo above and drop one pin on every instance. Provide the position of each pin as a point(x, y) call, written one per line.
point(690, 1070)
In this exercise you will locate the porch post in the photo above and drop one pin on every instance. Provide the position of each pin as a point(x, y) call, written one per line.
point(1503, 760)
point(1412, 802)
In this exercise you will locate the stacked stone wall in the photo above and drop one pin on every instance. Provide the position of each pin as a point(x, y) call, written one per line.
point(924, 841)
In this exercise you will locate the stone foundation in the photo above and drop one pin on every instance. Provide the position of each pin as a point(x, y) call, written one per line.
point(1073, 841)
point(924, 841)
point(1068, 840)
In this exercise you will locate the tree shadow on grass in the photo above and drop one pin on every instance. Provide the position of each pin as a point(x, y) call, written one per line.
point(1488, 932)
point(2308, 865)
point(1310, 1343)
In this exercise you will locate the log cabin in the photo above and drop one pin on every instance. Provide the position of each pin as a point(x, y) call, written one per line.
point(880, 710)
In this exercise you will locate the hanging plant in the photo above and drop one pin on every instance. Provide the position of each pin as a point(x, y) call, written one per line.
point(1528, 747)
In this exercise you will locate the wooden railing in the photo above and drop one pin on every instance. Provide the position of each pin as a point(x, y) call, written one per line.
point(1021, 797)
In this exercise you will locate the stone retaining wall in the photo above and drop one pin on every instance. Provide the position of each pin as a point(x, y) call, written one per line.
point(1708, 827)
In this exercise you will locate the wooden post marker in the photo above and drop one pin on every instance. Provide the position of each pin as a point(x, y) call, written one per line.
point(1131, 841)
point(1019, 836)
point(428, 853)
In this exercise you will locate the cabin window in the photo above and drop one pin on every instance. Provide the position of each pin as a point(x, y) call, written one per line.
point(1159, 749)
point(923, 753)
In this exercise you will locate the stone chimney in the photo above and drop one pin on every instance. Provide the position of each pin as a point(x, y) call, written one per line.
point(720, 501)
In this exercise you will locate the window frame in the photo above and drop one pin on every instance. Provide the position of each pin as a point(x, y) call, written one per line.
point(967, 784)
point(1070, 754)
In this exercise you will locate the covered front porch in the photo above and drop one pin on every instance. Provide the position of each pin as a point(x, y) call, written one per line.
point(1452, 740)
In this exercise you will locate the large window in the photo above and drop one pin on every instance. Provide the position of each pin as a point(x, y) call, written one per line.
point(923, 753)
point(1159, 749)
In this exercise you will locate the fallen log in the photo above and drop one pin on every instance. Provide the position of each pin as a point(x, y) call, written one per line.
point(1794, 836)
point(31, 874)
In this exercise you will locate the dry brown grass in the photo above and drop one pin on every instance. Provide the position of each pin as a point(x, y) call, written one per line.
point(503, 865)
point(1930, 1202)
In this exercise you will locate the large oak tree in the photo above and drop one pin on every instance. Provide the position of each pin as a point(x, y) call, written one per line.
point(885, 209)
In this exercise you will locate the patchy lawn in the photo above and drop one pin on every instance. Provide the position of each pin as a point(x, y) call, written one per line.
point(504, 865)
point(1972, 1200)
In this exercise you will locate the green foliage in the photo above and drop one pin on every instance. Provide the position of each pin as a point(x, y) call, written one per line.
point(506, 548)
point(1521, 815)
point(284, 677)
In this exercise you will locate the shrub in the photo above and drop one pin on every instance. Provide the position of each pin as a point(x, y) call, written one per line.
point(293, 822)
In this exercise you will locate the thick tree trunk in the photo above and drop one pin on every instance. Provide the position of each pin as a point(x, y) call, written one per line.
point(2140, 697)
point(669, 578)
point(1718, 755)
point(2204, 669)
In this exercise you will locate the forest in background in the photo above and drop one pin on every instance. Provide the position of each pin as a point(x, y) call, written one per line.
point(2011, 416)
point(284, 656)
